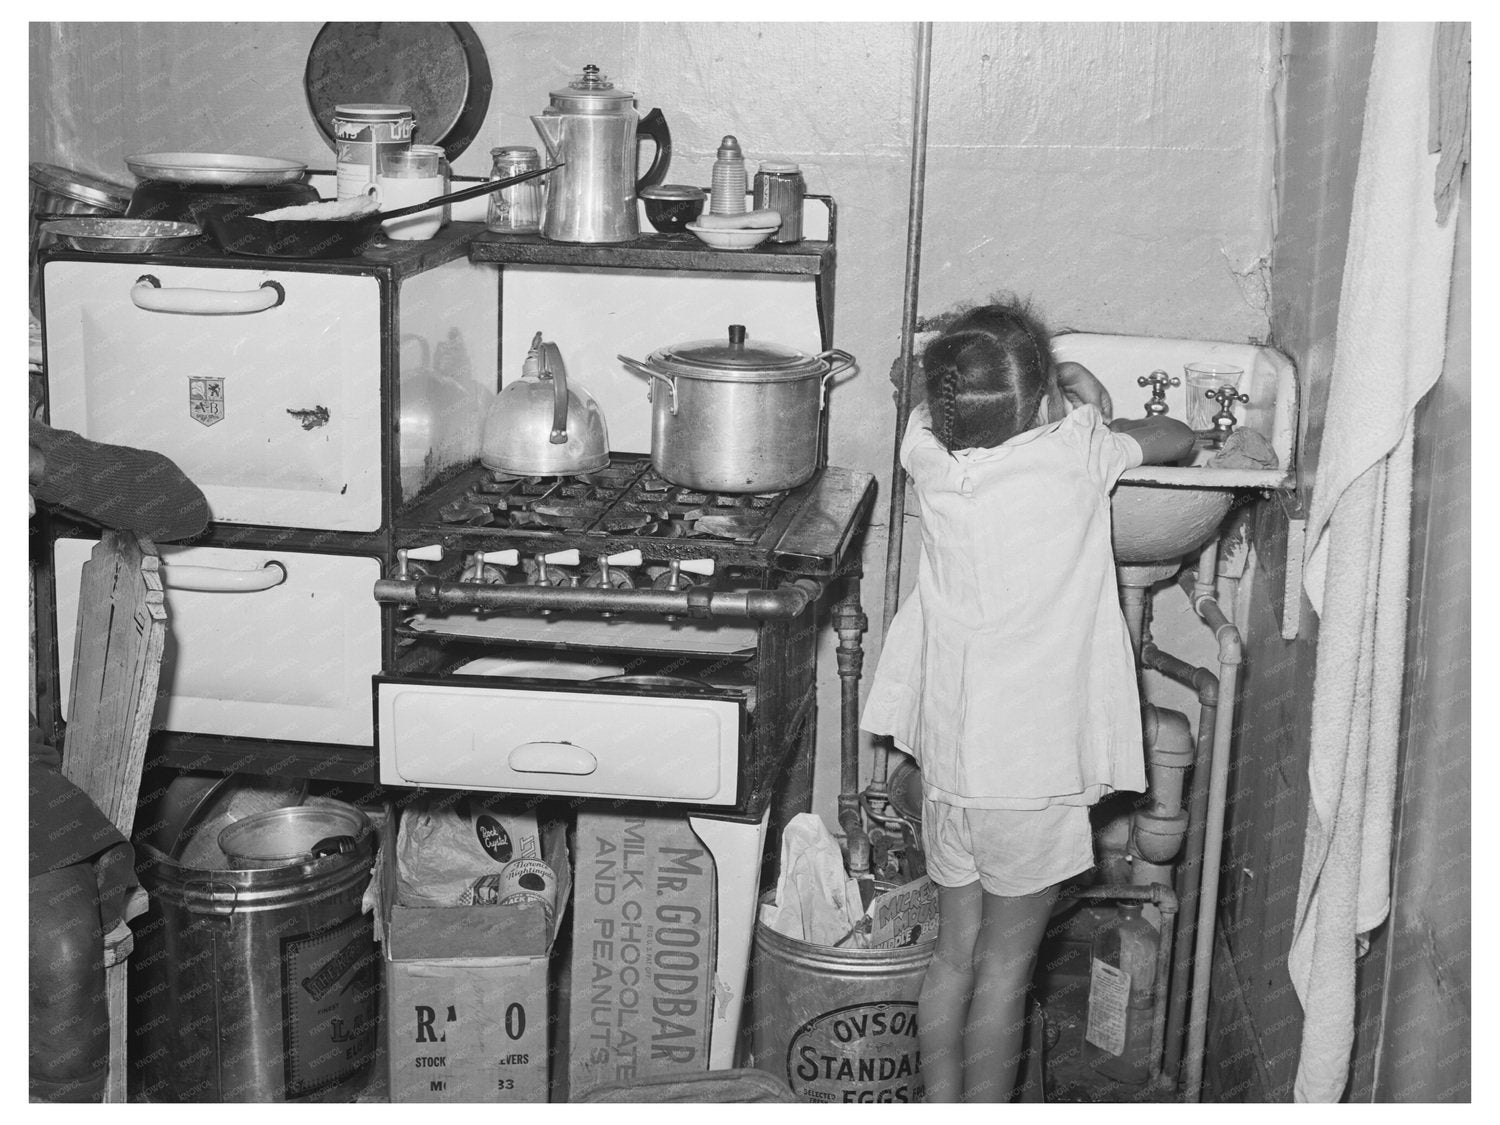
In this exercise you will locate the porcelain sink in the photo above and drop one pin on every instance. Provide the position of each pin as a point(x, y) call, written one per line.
point(1161, 512)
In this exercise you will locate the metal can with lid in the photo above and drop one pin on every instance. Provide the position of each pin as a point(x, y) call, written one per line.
point(779, 187)
point(518, 208)
point(362, 132)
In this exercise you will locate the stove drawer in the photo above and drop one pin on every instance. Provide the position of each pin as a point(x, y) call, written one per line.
point(262, 385)
point(253, 651)
point(574, 743)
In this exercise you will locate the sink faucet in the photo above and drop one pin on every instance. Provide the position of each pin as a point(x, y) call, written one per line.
point(1224, 421)
point(1158, 381)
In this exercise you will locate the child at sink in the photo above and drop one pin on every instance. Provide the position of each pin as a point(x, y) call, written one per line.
point(1008, 671)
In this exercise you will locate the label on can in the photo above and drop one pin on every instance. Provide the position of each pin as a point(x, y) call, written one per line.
point(859, 1053)
point(359, 142)
point(330, 1004)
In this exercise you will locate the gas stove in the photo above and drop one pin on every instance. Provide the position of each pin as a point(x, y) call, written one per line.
point(622, 540)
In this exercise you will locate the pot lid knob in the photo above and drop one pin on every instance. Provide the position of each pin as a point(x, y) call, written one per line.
point(591, 79)
point(737, 336)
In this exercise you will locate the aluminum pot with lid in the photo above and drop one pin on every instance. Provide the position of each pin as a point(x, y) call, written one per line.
point(729, 415)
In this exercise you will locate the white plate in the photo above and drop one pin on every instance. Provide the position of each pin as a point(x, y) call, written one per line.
point(214, 168)
point(732, 238)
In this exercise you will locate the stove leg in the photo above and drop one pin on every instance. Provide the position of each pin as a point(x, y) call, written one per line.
point(736, 849)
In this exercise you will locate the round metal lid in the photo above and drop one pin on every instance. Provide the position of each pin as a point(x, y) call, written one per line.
point(80, 186)
point(438, 70)
point(592, 92)
point(735, 358)
point(287, 835)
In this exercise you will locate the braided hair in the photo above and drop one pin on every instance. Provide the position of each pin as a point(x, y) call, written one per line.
point(986, 376)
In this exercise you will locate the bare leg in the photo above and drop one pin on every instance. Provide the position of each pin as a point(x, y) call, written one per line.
point(943, 1007)
point(1010, 932)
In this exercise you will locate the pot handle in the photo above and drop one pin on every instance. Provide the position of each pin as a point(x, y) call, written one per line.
point(832, 354)
point(651, 373)
point(147, 293)
point(551, 366)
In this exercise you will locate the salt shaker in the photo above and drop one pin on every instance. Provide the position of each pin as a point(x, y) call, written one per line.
point(727, 192)
point(779, 187)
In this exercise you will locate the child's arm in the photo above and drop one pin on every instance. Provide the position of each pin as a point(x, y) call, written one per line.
point(1080, 387)
point(1162, 439)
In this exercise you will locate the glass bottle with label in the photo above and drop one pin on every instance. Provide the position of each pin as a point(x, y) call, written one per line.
point(1122, 984)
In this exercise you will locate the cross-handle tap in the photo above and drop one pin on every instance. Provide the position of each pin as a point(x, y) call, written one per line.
point(1158, 381)
point(1224, 421)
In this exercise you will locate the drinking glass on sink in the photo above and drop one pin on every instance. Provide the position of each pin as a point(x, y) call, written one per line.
point(1203, 379)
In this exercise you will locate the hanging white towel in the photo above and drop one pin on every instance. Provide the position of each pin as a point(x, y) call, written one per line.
point(1391, 334)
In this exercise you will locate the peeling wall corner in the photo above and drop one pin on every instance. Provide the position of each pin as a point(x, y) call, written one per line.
point(1254, 281)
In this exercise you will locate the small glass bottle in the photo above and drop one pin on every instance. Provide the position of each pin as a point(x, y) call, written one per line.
point(727, 192)
point(518, 208)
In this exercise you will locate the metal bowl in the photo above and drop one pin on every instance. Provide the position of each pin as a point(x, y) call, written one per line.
point(107, 235)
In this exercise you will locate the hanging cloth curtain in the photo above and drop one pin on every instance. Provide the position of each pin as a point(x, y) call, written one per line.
point(1391, 335)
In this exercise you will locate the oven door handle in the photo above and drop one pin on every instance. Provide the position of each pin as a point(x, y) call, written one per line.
point(552, 757)
point(221, 580)
point(148, 294)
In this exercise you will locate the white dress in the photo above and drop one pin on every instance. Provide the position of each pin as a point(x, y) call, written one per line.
point(1008, 671)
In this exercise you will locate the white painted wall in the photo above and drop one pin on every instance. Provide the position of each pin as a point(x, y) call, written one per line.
point(1119, 174)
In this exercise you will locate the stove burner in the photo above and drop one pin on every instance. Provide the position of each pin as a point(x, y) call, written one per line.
point(627, 498)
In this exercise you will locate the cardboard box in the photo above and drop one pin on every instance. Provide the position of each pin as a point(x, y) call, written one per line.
point(642, 968)
point(468, 1008)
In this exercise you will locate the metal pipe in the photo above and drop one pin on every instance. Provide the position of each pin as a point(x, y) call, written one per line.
point(1206, 684)
point(895, 522)
point(1231, 655)
point(849, 623)
point(784, 602)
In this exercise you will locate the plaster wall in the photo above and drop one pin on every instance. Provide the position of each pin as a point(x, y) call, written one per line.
point(1119, 174)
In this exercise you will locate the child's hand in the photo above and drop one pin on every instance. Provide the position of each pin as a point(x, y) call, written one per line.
point(1080, 387)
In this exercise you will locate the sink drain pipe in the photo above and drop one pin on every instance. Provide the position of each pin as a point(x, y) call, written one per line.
point(1206, 811)
point(895, 523)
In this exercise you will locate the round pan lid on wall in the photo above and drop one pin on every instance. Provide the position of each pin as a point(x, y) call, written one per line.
point(439, 69)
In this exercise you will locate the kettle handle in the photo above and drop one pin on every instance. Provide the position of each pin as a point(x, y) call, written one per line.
point(654, 126)
point(551, 365)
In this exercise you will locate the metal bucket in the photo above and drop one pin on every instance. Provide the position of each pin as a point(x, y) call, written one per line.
point(836, 1024)
point(271, 980)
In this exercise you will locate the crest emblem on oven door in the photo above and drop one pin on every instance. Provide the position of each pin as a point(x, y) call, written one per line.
point(206, 399)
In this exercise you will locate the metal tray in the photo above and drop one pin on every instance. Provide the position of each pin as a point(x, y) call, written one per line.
point(214, 168)
point(108, 235)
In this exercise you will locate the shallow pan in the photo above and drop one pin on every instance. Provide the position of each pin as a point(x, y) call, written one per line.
point(329, 238)
point(95, 234)
point(214, 168)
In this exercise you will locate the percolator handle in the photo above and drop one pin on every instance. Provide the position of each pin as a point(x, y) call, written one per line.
point(654, 125)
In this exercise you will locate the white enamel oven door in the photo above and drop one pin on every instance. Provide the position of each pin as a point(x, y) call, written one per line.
point(571, 742)
point(269, 401)
point(271, 644)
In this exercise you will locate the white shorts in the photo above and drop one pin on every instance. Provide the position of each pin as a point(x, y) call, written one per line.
point(1011, 852)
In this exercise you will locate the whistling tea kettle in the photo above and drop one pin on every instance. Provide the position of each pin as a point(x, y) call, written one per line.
point(539, 426)
point(590, 129)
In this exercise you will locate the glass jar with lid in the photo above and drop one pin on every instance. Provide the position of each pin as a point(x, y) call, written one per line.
point(518, 208)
